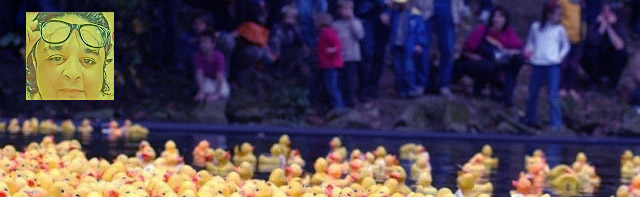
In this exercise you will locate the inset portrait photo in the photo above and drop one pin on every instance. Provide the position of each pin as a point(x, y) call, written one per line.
point(69, 56)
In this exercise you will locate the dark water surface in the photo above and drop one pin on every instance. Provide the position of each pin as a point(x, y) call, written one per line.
point(447, 151)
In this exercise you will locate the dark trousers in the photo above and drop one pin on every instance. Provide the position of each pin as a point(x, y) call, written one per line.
point(601, 64)
point(635, 97)
point(352, 77)
point(325, 82)
point(635, 18)
point(500, 76)
point(373, 48)
point(445, 30)
point(570, 67)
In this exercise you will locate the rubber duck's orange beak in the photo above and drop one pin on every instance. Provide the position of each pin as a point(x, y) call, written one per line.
point(113, 193)
point(395, 175)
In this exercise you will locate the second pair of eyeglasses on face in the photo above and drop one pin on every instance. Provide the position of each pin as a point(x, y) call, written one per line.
point(56, 32)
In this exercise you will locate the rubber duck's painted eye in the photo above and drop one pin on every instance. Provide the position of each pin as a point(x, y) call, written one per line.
point(62, 191)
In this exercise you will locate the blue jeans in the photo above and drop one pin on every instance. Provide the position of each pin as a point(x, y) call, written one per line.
point(446, 39)
point(635, 18)
point(635, 97)
point(552, 73)
point(419, 62)
point(330, 80)
point(404, 73)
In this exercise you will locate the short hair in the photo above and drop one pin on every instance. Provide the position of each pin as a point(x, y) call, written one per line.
point(93, 17)
point(505, 13)
point(289, 9)
point(345, 3)
point(209, 33)
point(324, 19)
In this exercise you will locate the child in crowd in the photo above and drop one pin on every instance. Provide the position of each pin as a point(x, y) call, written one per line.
point(285, 47)
point(329, 53)
point(210, 69)
point(404, 73)
point(547, 45)
point(350, 31)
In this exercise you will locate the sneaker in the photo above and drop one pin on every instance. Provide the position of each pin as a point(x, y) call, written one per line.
point(563, 93)
point(574, 94)
point(415, 93)
point(445, 91)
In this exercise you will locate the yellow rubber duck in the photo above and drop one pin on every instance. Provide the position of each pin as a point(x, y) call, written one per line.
point(245, 171)
point(14, 126)
point(407, 151)
point(114, 130)
point(398, 173)
point(3, 126)
point(634, 187)
point(137, 132)
point(627, 155)
point(419, 168)
point(627, 167)
point(244, 153)
point(423, 185)
point(537, 156)
point(336, 146)
point(278, 177)
point(315, 191)
point(27, 128)
point(295, 158)
point(61, 189)
point(285, 144)
point(145, 153)
point(320, 176)
point(48, 127)
point(589, 180)
point(490, 162)
point(200, 158)
point(267, 163)
point(170, 154)
point(86, 128)
point(623, 191)
point(581, 161)
point(67, 127)
point(263, 190)
point(335, 177)
point(293, 172)
point(566, 184)
point(295, 189)
point(445, 192)
point(466, 184)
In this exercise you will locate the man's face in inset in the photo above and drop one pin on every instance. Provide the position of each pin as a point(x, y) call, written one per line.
point(70, 70)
